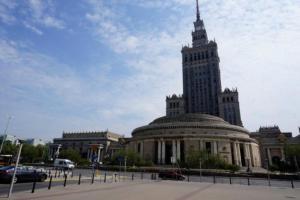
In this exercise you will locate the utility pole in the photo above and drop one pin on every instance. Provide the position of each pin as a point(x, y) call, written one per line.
point(15, 170)
point(5, 133)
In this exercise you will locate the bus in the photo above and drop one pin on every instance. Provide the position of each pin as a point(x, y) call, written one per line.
point(6, 159)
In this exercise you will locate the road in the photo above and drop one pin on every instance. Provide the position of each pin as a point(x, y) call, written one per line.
point(86, 177)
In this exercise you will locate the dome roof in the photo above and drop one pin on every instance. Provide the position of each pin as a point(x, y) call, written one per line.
point(190, 117)
point(190, 120)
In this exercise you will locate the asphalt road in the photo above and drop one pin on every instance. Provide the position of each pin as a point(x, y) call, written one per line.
point(86, 177)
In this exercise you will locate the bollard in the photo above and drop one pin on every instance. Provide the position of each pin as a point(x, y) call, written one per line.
point(248, 181)
point(59, 173)
point(49, 173)
point(93, 176)
point(55, 173)
point(115, 177)
point(104, 178)
point(79, 178)
point(142, 175)
point(33, 186)
point(189, 176)
point(72, 173)
point(50, 183)
point(132, 176)
point(230, 180)
point(65, 181)
point(269, 181)
point(292, 183)
point(214, 179)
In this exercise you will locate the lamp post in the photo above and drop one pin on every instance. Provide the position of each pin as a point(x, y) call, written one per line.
point(15, 170)
point(5, 132)
point(57, 152)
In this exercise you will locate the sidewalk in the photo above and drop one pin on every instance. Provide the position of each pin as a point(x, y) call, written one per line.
point(166, 190)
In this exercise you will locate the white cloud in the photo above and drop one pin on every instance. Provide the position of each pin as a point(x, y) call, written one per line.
point(43, 13)
point(34, 29)
point(5, 11)
point(250, 36)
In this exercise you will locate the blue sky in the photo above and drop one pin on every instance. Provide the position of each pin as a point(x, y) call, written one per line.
point(108, 64)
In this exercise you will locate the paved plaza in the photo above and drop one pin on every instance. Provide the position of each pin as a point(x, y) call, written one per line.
point(166, 190)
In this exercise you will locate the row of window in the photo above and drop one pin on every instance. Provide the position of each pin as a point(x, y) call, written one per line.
point(198, 56)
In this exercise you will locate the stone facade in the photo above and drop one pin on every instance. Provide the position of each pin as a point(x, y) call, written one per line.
point(174, 105)
point(91, 145)
point(172, 138)
point(272, 143)
point(230, 107)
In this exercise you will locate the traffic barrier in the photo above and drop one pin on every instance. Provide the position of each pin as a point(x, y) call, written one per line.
point(93, 176)
point(65, 181)
point(33, 186)
point(79, 179)
point(50, 183)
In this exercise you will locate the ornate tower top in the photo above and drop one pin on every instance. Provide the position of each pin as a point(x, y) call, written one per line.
point(198, 13)
point(199, 34)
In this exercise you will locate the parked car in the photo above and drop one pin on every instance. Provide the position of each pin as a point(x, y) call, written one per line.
point(63, 164)
point(171, 175)
point(23, 174)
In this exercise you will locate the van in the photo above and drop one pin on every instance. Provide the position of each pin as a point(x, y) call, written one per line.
point(63, 164)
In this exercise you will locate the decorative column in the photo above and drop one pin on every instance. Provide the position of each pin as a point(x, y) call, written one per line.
point(163, 151)
point(142, 149)
point(201, 145)
point(174, 151)
point(99, 152)
point(178, 149)
point(239, 154)
point(159, 152)
point(234, 154)
point(269, 156)
point(215, 146)
point(282, 154)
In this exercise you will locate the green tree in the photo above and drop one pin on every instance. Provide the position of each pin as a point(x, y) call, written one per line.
point(70, 154)
point(132, 158)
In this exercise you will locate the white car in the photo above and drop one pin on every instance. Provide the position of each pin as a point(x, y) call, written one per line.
point(63, 164)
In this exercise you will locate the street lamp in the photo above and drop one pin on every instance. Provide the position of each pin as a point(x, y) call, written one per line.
point(57, 151)
point(5, 133)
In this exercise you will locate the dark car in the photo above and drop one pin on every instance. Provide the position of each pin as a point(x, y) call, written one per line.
point(23, 174)
point(171, 175)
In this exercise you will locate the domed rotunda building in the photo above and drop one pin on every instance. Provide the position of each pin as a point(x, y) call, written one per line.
point(203, 118)
point(167, 139)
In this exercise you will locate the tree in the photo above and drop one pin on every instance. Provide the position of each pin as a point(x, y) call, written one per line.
point(132, 158)
point(292, 153)
point(70, 154)
point(208, 161)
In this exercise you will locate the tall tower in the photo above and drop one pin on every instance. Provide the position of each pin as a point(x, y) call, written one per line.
point(201, 72)
point(230, 107)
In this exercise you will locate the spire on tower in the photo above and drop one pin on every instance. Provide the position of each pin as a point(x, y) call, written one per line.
point(198, 13)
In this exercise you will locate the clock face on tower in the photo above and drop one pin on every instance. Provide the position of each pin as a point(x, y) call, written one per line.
point(198, 28)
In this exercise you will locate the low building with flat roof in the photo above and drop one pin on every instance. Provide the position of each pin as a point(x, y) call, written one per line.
point(93, 145)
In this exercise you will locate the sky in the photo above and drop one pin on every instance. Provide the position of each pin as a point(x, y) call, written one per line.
point(91, 65)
